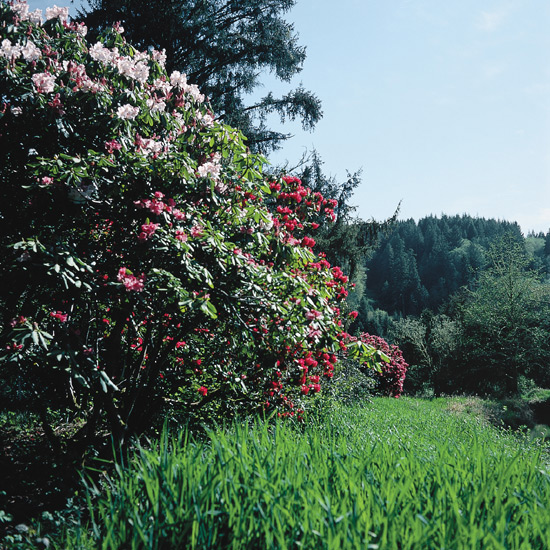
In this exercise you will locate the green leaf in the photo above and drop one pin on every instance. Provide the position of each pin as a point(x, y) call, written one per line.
point(208, 308)
point(43, 342)
point(106, 382)
point(81, 380)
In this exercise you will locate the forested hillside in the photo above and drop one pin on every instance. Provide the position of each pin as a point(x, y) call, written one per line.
point(467, 300)
point(419, 266)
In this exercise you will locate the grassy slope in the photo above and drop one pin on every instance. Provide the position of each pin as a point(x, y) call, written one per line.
point(394, 474)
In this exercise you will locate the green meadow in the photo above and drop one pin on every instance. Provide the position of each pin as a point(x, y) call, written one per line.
point(396, 474)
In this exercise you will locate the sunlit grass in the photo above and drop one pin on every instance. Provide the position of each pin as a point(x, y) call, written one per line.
point(392, 474)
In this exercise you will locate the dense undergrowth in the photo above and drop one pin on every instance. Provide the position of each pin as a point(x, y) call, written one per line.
point(403, 473)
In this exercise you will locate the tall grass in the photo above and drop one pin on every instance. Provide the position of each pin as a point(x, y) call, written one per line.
point(396, 474)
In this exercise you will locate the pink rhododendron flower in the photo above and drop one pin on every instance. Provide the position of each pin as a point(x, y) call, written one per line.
point(81, 29)
point(14, 346)
point(149, 146)
point(17, 321)
point(207, 120)
point(178, 80)
point(156, 105)
point(181, 235)
point(209, 169)
point(203, 391)
point(30, 51)
point(56, 104)
point(393, 373)
point(194, 92)
point(21, 9)
point(127, 66)
point(56, 11)
point(159, 56)
point(314, 334)
point(178, 214)
point(131, 282)
point(221, 188)
point(162, 85)
point(197, 230)
point(35, 17)
point(127, 112)
point(100, 53)
point(112, 146)
point(44, 82)
point(156, 207)
point(147, 230)
point(313, 314)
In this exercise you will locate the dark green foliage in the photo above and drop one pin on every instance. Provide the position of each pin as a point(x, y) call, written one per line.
point(505, 319)
point(538, 250)
point(373, 321)
point(421, 265)
point(223, 46)
point(431, 344)
point(493, 334)
point(465, 298)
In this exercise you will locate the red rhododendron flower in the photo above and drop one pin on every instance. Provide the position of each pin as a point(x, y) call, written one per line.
point(59, 315)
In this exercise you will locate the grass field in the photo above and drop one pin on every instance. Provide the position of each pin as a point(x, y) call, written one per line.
point(391, 474)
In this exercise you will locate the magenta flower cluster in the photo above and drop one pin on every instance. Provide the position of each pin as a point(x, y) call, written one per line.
point(393, 373)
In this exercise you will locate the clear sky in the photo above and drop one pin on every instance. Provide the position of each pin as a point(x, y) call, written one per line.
point(444, 104)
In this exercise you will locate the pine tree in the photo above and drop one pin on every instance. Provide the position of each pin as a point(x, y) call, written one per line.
point(349, 241)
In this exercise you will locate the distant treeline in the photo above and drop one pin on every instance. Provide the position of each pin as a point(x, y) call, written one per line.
point(419, 266)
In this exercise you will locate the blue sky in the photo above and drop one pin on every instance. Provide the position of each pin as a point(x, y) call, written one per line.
point(445, 105)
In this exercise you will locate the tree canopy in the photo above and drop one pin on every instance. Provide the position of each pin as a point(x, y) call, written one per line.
point(505, 319)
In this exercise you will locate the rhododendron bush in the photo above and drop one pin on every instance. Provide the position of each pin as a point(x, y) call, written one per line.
point(391, 376)
point(146, 261)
